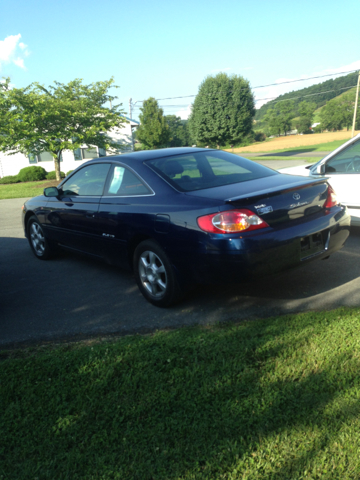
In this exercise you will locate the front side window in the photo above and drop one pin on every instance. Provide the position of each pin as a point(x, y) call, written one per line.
point(124, 183)
point(206, 170)
point(347, 161)
point(88, 181)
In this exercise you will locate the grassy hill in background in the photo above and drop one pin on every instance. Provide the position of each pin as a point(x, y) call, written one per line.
point(332, 89)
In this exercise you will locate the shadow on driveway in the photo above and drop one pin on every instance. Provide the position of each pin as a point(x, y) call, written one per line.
point(73, 295)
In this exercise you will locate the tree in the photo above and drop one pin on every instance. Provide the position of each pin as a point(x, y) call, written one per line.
point(339, 112)
point(223, 110)
point(331, 116)
point(153, 131)
point(36, 119)
point(347, 104)
point(272, 121)
point(178, 132)
point(279, 117)
point(306, 111)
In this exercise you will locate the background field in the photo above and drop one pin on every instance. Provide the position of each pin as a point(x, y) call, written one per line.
point(292, 141)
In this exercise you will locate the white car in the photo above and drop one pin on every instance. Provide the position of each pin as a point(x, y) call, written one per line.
point(342, 168)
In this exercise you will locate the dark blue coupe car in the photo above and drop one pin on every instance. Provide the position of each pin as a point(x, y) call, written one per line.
point(187, 215)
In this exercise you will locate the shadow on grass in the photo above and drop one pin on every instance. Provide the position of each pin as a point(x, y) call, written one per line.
point(265, 399)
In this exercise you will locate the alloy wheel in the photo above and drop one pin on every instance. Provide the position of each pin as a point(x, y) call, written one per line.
point(152, 274)
point(37, 239)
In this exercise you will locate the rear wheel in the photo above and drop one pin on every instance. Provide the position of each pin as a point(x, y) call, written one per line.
point(38, 242)
point(155, 276)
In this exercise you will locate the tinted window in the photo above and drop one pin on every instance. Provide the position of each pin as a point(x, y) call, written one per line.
point(89, 180)
point(347, 161)
point(207, 169)
point(124, 183)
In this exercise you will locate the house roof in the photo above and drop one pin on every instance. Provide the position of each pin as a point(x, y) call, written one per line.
point(131, 120)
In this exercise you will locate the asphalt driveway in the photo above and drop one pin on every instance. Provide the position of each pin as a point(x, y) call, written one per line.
point(76, 297)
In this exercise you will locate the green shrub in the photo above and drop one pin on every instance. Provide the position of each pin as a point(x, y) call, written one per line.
point(9, 179)
point(259, 136)
point(32, 174)
point(68, 173)
point(52, 175)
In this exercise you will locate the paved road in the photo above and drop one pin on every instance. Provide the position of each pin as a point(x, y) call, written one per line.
point(77, 297)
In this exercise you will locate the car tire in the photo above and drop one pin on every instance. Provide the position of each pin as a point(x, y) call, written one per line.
point(39, 244)
point(155, 276)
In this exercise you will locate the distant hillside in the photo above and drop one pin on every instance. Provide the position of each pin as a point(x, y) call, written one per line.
point(345, 83)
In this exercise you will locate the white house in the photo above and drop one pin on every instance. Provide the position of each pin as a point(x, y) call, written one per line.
point(12, 164)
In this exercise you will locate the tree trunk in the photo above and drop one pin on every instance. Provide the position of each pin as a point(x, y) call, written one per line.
point(57, 167)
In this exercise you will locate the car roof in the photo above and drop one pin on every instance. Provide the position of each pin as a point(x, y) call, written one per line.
point(144, 155)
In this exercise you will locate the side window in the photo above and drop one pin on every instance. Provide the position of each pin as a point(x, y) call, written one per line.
point(124, 183)
point(347, 161)
point(88, 181)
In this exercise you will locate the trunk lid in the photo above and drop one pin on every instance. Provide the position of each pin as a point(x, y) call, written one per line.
point(277, 199)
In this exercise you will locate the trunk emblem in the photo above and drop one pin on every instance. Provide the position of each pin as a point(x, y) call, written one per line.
point(296, 196)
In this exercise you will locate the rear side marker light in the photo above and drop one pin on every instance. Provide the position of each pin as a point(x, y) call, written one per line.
point(231, 221)
point(332, 199)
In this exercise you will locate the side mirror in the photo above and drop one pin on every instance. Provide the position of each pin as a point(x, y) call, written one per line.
point(51, 192)
point(320, 169)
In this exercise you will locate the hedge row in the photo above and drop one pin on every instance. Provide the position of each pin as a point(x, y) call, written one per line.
point(31, 174)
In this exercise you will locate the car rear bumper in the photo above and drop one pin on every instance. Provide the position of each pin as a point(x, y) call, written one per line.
point(239, 258)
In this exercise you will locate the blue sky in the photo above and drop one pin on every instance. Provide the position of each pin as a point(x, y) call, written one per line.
point(166, 49)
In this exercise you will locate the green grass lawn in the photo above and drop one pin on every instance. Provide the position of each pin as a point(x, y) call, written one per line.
point(276, 398)
point(25, 189)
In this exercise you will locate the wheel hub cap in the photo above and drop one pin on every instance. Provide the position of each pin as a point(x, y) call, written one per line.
point(37, 239)
point(152, 274)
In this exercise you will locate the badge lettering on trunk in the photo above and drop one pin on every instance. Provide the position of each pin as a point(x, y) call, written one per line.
point(262, 209)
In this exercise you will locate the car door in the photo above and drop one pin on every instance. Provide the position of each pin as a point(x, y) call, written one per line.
point(126, 208)
point(71, 218)
point(343, 171)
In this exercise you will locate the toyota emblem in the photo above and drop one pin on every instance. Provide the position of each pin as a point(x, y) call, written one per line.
point(296, 196)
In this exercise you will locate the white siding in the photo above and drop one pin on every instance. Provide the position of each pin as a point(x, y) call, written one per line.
point(12, 164)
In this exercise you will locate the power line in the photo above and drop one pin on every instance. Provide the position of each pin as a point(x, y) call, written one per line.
point(303, 96)
point(268, 85)
point(304, 79)
point(268, 98)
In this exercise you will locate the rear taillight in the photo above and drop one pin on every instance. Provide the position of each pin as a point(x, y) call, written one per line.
point(331, 200)
point(231, 221)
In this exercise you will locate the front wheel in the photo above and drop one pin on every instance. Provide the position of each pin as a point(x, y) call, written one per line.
point(38, 242)
point(154, 275)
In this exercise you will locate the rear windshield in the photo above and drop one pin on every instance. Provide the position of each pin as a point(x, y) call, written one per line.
point(202, 170)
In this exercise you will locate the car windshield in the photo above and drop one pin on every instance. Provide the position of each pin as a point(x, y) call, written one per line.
point(200, 170)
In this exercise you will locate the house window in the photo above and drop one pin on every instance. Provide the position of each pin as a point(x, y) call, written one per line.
point(42, 157)
point(88, 153)
point(45, 157)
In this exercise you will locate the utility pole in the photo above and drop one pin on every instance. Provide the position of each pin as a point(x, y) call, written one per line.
point(355, 109)
point(130, 116)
